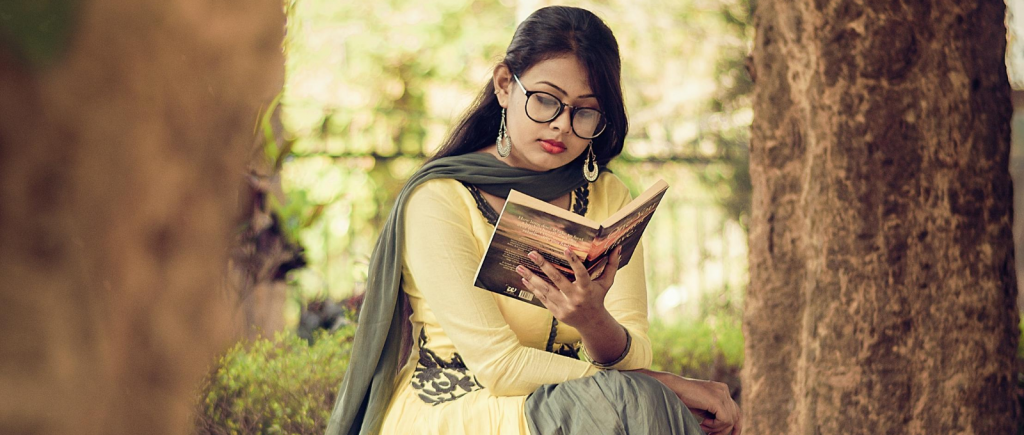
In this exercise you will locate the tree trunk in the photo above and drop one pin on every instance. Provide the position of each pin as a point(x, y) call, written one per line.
point(123, 143)
point(882, 294)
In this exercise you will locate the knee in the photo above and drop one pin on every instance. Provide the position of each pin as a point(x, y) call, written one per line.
point(642, 390)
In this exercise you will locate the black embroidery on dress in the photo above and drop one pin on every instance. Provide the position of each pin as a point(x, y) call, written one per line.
point(571, 350)
point(482, 204)
point(579, 205)
point(440, 381)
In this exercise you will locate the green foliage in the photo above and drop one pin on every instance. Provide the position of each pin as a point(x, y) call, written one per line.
point(697, 349)
point(279, 386)
point(39, 30)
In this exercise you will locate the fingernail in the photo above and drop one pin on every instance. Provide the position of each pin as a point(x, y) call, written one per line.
point(533, 256)
point(521, 270)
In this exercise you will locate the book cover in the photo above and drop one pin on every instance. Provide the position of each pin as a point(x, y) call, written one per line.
point(529, 224)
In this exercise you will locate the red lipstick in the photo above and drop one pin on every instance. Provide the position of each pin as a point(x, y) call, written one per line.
point(553, 146)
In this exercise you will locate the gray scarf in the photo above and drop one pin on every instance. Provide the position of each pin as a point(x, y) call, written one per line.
point(374, 362)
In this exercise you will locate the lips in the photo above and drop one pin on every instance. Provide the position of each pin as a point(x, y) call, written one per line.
point(553, 146)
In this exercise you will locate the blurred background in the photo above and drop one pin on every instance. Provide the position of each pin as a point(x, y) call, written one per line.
point(127, 129)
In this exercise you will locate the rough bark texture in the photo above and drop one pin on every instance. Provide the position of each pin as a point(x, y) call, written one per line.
point(121, 159)
point(882, 295)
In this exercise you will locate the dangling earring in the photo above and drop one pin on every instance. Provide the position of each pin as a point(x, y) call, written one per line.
point(503, 142)
point(590, 169)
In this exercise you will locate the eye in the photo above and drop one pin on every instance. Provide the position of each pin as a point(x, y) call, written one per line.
point(546, 100)
point(588, 115)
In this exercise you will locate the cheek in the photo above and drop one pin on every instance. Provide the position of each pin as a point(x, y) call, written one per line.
point(521, 127)
point(578, 146)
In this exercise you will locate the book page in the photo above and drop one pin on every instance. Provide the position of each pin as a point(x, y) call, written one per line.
point(625, 230)
point(653, 195)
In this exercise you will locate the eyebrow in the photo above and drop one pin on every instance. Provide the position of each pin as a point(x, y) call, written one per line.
point(563, 91)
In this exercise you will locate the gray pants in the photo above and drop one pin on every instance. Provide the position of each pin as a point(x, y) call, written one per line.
point(612, 403)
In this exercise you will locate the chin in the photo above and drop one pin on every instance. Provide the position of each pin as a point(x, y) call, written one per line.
point(543, 161)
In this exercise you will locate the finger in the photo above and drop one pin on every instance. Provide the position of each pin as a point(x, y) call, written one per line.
point(608, 276)
point(702, 414)
point(582, 274)
point(717, 431)
point(545, 266)
point(538, 286)
point(716, 424)
point(717, 427)
point(539, 294)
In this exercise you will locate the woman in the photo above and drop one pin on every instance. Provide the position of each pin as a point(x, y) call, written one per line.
point(482, 363)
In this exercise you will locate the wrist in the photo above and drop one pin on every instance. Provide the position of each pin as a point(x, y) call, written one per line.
point(605, 341)
point(599, 325)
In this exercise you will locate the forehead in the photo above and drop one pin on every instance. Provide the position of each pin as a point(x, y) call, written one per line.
point(566, 72)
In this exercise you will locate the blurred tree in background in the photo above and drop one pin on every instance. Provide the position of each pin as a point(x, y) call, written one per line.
point(124, 127)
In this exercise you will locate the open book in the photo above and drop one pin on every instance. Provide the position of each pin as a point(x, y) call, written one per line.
point(529, 224)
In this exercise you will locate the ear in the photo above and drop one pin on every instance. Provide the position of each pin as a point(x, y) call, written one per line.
point(502, 83)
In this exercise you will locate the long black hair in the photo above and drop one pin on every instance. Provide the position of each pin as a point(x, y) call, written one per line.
point(547, 33)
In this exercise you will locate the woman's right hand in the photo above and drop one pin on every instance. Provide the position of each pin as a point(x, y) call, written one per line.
point(578, 303)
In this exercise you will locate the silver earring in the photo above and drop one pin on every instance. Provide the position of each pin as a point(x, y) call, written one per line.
point(503, 142)
point(590, 169)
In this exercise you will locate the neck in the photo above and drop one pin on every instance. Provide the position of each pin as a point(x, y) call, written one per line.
point(511, 160)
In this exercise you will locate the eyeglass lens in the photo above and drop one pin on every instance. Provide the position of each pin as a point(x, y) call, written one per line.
point(543, 107)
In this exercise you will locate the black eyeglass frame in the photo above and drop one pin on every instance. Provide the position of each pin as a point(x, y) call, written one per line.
point(572, 113)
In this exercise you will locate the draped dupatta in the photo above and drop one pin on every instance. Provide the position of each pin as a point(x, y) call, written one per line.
point(374, 363)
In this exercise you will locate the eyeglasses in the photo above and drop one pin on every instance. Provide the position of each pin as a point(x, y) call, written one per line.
point(543, 107)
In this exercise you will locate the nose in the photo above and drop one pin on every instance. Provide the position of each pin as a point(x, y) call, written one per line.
point(563, 122)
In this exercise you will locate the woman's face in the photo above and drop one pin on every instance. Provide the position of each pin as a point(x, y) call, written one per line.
point(548, 145)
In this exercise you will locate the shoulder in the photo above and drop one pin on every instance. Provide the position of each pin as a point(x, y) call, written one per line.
point(439, 186)
point(439, 193)
point(610, 188)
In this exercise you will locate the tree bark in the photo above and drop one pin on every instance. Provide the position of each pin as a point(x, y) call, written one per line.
point(882, 294)
point(123, 145)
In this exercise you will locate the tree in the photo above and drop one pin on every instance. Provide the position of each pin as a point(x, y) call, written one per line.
point(124, 131)
point(882, 294)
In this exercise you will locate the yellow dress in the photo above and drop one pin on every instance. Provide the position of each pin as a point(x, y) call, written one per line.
point(477, 355)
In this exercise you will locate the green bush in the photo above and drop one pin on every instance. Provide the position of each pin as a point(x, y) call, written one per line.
point(694, 349)
point(286, 386)
point(712, 349)
point(279, 386)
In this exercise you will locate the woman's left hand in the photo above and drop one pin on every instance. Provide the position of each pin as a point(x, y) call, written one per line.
point(573, 303)
point(711, 400)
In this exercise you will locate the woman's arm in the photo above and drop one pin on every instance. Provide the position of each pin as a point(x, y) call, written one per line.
point(605, 310)
point(441, 258)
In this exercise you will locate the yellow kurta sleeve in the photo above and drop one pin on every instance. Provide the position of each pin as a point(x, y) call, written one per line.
point(441, 256)
point(626, 300)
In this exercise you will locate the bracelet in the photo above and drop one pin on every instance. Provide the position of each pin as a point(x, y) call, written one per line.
point(629, 342)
